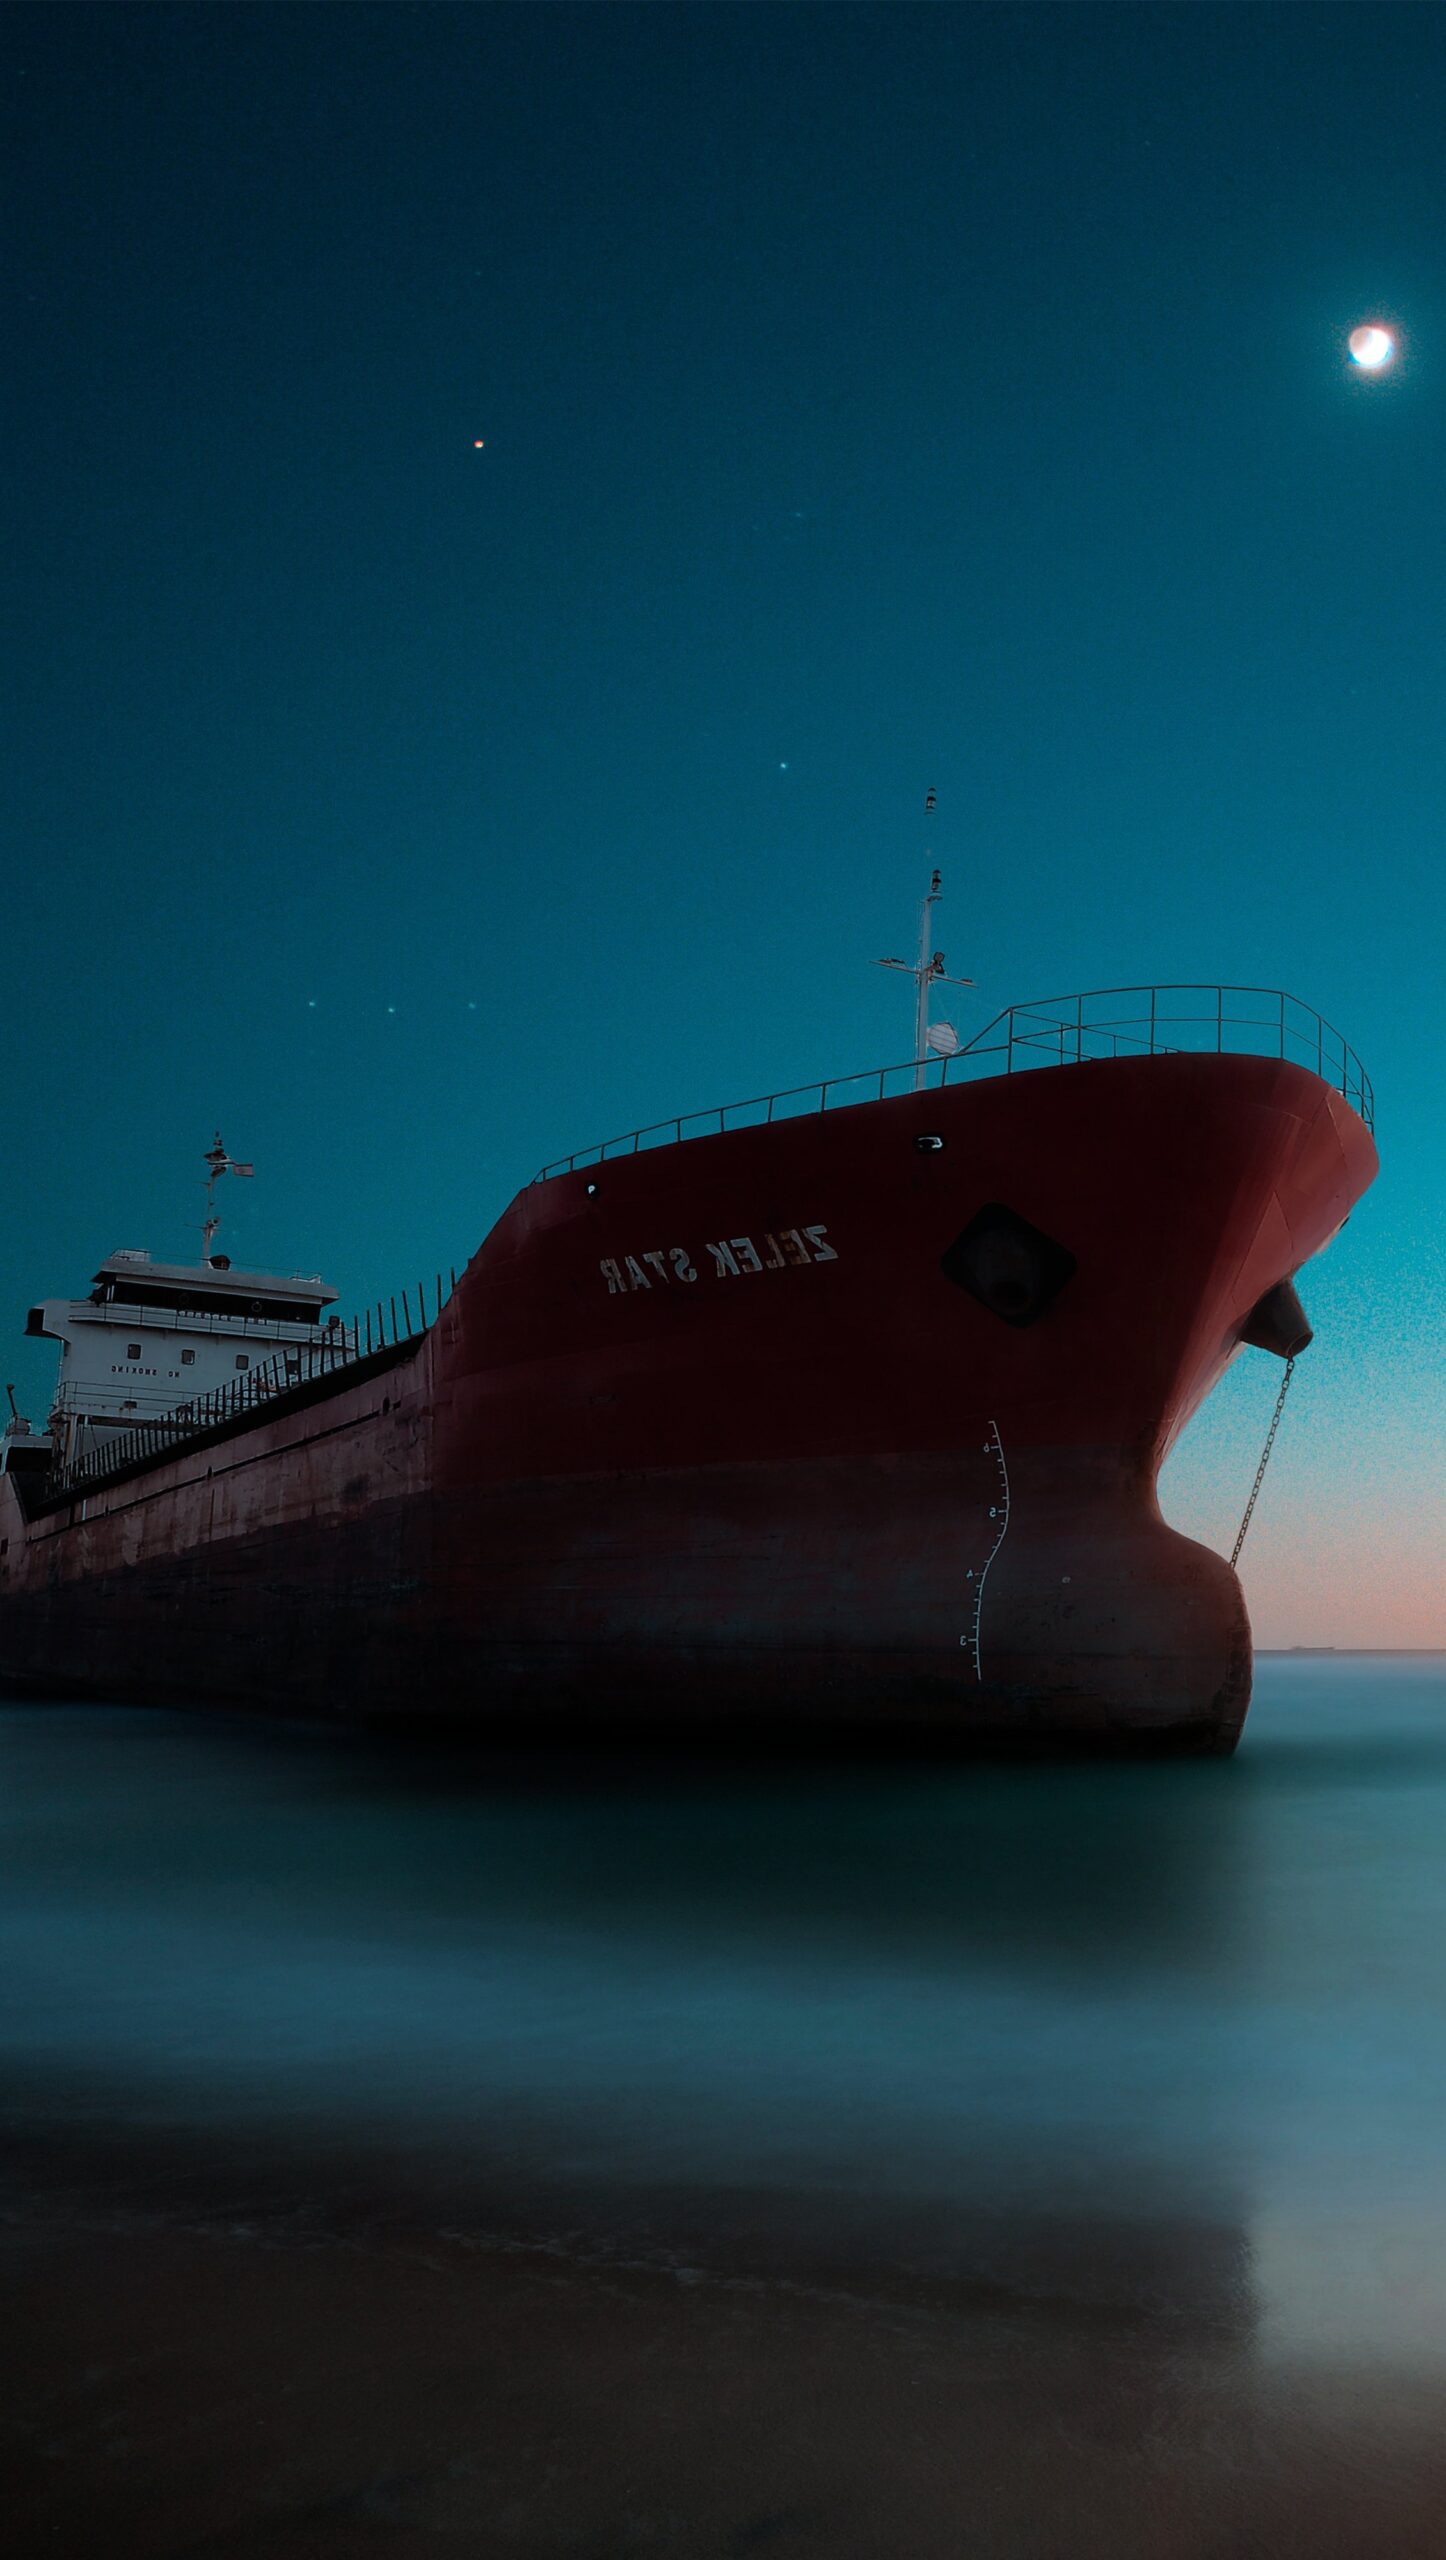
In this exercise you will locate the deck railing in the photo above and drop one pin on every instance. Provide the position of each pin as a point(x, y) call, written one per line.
point(385, 1328)
point(1052, 1031)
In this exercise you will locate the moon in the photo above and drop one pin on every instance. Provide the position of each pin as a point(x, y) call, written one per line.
point(1371, 346)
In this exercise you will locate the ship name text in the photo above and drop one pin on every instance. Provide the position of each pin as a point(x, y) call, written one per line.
point(731, 1258)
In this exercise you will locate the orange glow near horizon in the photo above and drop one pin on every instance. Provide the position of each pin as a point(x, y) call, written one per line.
point(1335, 1581)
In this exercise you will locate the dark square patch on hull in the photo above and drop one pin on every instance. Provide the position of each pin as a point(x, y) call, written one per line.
point(1012, 1268)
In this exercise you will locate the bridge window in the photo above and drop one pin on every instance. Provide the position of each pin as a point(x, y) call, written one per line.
point(133, 1351)
point(243, 1359)
point(188, 1359)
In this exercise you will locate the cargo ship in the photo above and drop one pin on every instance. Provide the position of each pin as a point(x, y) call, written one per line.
point(838, 1410)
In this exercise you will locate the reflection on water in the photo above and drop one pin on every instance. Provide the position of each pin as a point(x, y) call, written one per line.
point(1165, 2039)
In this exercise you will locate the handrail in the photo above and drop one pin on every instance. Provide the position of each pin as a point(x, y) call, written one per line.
point(1049, 1031)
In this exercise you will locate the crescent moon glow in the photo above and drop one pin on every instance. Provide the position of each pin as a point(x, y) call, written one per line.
point(1371, 346)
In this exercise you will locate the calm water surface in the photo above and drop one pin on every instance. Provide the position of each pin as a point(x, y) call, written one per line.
point(1161, 2050)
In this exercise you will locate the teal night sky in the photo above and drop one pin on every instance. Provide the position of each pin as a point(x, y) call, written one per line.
point(873, 399)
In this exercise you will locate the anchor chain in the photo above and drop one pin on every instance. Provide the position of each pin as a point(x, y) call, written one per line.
point(1264, 1458)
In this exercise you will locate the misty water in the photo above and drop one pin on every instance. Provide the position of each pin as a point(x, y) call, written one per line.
point(1051, 2056)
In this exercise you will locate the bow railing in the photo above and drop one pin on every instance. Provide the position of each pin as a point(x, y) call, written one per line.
point(1051, 1031)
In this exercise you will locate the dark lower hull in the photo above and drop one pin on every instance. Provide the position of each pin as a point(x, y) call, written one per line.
point(758, 1602)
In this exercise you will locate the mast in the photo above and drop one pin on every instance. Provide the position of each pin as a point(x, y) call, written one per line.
point(217, 1162)
point(928, 970)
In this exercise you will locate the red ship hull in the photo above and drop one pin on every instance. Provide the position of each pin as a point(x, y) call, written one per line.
point(735, 1432)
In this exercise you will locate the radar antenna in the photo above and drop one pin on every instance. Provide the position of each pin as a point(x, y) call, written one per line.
point(927, 971)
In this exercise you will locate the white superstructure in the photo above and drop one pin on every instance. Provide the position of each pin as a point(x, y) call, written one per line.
point(154, 1337)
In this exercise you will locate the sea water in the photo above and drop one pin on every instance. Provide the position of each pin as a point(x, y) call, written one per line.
point(1160, 2046)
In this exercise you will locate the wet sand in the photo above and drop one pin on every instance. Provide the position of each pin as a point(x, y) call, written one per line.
point(1000, 2207)
point(258, 2386)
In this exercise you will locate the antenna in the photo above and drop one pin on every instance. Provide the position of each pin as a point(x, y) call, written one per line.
point(928, 970)
point(217, 1162)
